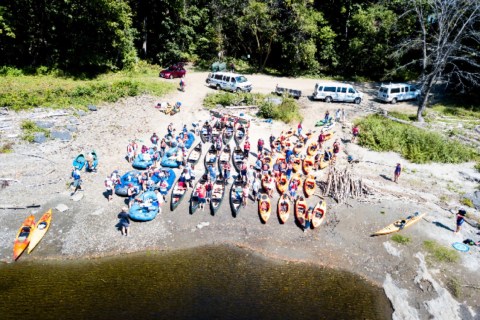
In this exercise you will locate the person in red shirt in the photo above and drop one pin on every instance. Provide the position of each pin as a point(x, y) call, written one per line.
point(260, 144)
point(246, 149)
point(299, 129)
point(336, 148)
point(321, 139)
point(355, 133)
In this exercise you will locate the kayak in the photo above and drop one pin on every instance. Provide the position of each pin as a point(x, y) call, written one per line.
point(268, 160)
point(297, 177)
point(289, 133)
point(284, 207)
point(309, 186)
point(129, 177)
point(23, 237)
point(218, 192)
point(142, 161)
point(79, 161)
point(224, 158)
point(329, 135)
point(194, 197)
point(210, 157)
point(195, 154)
point(237, 158)
point(312, 148)
point(323, 122)
point(264, 207)
point(239, 134)
point(319, 212)
point(297, 164)
point(42, 226)
point(301, 210)
point(298, 148)
point(169, 159)
point(236, 196)
point(400, 224)
point(190, 140)
point(178, 193)
point(265, 184)
point(308, 163)
point(147, 209)
point(94, 165)
point(282, 183)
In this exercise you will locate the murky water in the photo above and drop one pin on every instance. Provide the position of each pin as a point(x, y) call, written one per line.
point(201, 283)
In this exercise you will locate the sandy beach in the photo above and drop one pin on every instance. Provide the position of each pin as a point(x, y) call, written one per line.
point(40, 175)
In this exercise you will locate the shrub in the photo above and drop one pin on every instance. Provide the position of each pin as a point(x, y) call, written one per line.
point(440, 253)
point(467, 202)
point(453, 285)
point(398, 238)
point(6, 147)
point(477, 166)
point(414, 144)
point(29, 129)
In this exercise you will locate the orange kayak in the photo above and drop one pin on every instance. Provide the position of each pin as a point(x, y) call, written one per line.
point(308, 163)
point(297, 177)
point(42, 227)
point(284, 207)
point(23, 236)
point(309, 186)
point(301, 210)
point(297, 164)
point(319, 213)
point(298, 148)
point(282, 183)
point(312, 148)
point(264, 207)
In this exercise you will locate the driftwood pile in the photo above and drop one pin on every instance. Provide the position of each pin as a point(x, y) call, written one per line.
point(341, 185)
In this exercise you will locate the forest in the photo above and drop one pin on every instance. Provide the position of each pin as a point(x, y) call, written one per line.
point(429, 41)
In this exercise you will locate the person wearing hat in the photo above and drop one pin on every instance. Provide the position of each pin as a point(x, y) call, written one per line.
point(460, 219)
point(124, 221)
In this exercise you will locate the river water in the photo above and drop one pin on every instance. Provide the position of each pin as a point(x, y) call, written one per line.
point(201, 283)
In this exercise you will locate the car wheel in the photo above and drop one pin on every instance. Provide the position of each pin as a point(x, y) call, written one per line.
point(394, 100)
point(358, 100)
point(328, 99)
point(238, 90)
point(171, 76)
point(218, 87)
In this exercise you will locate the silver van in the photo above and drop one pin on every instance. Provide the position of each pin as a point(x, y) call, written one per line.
point(229, 81)
point(336, 91)
point(394, 92)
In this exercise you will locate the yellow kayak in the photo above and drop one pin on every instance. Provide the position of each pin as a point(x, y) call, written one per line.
point(42, 226)
point(400, 224)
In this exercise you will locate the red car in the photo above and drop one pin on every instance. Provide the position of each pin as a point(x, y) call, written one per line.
point(175, 71)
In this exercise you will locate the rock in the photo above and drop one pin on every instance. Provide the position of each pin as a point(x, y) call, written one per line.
point(71, 128)
point(61, 135)
point(81, 113)
point(61, 207)
point(74, 121)
point(91, 107)
point(39, 137)
point(44, 124)
point(77, 196)
point(203, 224)
point(97, 212)
point(470, 176)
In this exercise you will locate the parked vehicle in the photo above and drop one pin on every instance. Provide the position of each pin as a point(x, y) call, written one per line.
point(336, 91)
point(174, 71)
point(229, 81)
point(394, 92)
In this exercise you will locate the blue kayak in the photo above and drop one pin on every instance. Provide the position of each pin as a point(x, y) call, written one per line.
point(79, 161)
point(94, 163)
point(145, 210)
point(129, 177)
point(169, 159)
point(141, 162)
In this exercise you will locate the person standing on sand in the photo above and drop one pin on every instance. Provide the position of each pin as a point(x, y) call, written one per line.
point(109, 188)
point(338, 114)
point(355, 133)
point(124, 221)
point(77, 180)
point(460, 219)
point(397, 172)
point(299, 128)
point(344, 116)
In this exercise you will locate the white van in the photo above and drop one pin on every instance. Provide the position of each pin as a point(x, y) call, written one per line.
point(394, 92)
point(336, 91)
point(229, 81)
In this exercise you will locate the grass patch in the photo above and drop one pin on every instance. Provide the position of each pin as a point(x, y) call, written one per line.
point(53, 90)
point(29, 129)
point(415, 144)
point(398, 238)
point(6, 147)
point(403, 116)
point(459, 111)
point(477, 166)
point(441, 253)
point(467, 202)
point(287, 111)
point(454, 286)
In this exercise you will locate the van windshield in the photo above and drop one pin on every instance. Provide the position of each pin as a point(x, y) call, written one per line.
point(241, 79)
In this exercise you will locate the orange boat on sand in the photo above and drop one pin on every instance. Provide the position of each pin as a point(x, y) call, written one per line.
point(319, 213)
point(23, 236)
point(309, 186)
point(284, 207)
point(264, 207)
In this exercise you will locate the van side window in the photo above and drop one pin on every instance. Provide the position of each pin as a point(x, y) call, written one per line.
point(320, 88)
point(395, 90)
point(406, 89)
point(227, 79)
point(344, 90)
point(218, 77)
point(329, 89)
point(350, 90)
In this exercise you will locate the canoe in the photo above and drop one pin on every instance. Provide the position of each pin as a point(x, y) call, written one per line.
point(297, 164)
point(309, 186)
point(297, 177)
point(282, 183)
point(237, 158)
point(319, 213)
point(264, 212)
point(194, 197)
point(204, 132)
point(195, 154)
point(308, 163)
point(218, 192)
point(284, 207)
point(298, 148)
point(42, 226)
point(312, 148)
point(236, 196)
point(239, 134)
point(210, 157)
point(23, 236)
point(79, 161)
point(216, 130)
point(227, 134)
point(224, 157)
point(177, 195)
point(301, 210)
point(145, 210)
point(400, 224)
point(129, 177)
